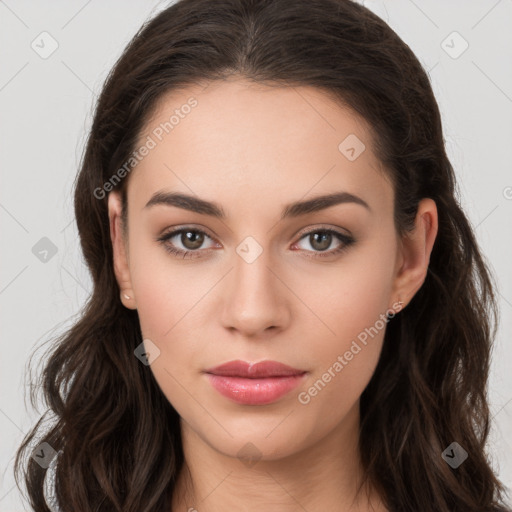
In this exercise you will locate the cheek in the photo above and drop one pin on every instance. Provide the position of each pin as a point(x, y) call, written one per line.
point(352, 305)
point(166, 291)
point(170, 297)
point(165, 305)
point(353, 296)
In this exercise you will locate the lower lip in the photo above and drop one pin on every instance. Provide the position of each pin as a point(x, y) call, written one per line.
point(254, 391)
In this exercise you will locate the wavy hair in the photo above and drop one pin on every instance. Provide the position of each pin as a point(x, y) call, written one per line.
point(116, 435)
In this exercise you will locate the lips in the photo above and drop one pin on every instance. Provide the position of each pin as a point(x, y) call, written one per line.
point(254, 370)
point(254, 383)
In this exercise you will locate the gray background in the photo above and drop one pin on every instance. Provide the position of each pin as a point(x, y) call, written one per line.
point(45, 106)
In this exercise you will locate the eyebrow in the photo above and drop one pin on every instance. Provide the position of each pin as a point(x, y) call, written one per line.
point(296, 209)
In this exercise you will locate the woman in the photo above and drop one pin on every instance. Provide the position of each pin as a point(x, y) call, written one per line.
point(290, 310)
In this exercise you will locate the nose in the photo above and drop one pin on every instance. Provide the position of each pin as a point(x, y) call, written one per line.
point(255, 298)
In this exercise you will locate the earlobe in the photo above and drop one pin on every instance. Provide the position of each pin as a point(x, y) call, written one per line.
point(127, 300)
point(415, 250)
point(119, 250)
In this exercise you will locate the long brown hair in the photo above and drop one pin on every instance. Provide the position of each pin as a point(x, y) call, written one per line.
point(116, 436)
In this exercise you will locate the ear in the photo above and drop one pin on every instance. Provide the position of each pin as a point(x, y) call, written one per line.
point(120, 250)
point(414, 252)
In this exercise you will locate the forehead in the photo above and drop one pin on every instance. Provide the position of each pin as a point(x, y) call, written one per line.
point(248, 138)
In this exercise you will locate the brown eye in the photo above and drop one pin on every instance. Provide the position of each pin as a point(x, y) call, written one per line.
point(185, 242)
point(320, 240)
point(320, 243)
point(192, 239)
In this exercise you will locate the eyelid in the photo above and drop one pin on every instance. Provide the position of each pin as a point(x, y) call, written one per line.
point(323, 227)
point(175, 230)
point(304, 231)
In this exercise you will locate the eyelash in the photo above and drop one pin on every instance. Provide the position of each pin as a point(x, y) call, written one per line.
point(346, 240)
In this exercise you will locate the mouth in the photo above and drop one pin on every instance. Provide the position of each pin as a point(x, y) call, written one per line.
point(254, 383)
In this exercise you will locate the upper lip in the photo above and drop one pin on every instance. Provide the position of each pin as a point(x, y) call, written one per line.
point(254, 370)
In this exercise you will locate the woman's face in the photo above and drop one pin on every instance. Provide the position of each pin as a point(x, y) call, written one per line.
point(270, 280)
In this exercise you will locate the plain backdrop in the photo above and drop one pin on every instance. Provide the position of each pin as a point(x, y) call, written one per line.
point(46, 103)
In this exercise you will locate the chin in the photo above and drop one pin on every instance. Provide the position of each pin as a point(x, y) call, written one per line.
point(251, 436)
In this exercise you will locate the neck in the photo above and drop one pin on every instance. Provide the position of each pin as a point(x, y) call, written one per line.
point(323, 476)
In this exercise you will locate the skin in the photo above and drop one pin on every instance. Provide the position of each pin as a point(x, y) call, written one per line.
point(254, 149)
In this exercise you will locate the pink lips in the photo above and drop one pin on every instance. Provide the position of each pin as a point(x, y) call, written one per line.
point(254, 384)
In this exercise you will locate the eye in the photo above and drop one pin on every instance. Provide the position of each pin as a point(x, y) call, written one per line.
point(321, 239)
point(192, 239)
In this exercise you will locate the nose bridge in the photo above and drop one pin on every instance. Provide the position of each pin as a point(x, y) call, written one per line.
point(254, 300)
